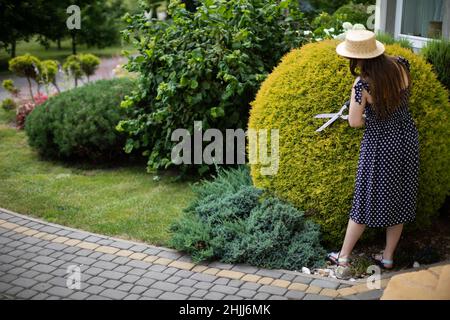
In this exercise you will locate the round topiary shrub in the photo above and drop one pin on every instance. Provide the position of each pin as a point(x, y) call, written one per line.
point(80, 123)
point(317, 170)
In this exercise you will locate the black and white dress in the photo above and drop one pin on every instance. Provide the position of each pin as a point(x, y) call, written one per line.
point(387, 178)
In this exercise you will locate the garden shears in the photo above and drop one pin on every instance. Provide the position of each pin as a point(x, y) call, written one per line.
point(333, 117)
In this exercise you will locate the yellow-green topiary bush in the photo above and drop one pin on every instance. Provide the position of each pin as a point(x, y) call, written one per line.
point(317, 170)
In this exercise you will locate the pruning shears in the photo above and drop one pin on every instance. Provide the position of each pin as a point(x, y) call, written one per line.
point(333, 117)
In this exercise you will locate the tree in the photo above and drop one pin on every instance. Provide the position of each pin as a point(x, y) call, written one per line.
point(89, 64)
point(99, 23)
point(72, 67)
point(18, 21)
point(27, 66)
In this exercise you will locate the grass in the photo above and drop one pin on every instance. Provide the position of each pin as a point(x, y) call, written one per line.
point(34, 48)
point(122, 201)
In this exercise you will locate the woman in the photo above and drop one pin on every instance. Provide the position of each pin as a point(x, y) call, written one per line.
point(387, 176)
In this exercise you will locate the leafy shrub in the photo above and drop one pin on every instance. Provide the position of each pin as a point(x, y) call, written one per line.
point(388, 39)
point(232, 221)
point(331, 6)
point(326, 25)
point(353, 13)
point(203, 66)
point(9, 86)
point(80, 123)
point(72, 67)
point(49, 72)
point(27, 66)
point(437, 52)
point(317, 170)
point(89, 64)
point(8, 104)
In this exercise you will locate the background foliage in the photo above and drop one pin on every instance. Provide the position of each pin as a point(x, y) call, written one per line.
point(317, 170)
point(203, 66)
point(232, 221)
point(437, 52)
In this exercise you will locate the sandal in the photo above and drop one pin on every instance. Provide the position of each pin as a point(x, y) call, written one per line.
point(383, 263)
point(333, 257)
point(343, 270)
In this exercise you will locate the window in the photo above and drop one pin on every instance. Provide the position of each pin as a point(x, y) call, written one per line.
point(422, 18)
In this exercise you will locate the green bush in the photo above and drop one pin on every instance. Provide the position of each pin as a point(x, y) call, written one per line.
point(388, 39)
point(89, 64)
point(9, 86)
point(49, 72)
point(8, 104)
point(72, 67)
point(203, 66)
point(353, 13)
point(234, 222)
point(317, 170)
point(331, 6)
point(80, 123)
point(27, 66)
point(437, 52)
point(325, 21)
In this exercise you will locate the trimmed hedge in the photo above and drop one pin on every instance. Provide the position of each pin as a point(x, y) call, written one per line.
point(317, 170)
point(80, 123)
point(234, 222)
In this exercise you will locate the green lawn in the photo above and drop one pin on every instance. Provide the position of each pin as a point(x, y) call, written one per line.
point(125, 202)
point(34, 48)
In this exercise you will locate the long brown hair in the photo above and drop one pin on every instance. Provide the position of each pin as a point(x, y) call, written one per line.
point(386, 81)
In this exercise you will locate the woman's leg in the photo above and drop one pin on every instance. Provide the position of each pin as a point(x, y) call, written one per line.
point(354, 232)
point(393, 235)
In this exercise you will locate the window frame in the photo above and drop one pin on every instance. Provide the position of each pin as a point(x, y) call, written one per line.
point(418, 42)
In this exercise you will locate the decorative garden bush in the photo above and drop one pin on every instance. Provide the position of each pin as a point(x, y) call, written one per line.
point(317, 170)
point(27, 66)
point(80, 123)
point(204, 66)
point(234, 222)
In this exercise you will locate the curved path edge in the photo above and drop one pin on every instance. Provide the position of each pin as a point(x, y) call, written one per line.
point(35, 256)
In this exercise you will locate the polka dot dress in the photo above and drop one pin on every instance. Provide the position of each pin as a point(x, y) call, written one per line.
point(387, 178)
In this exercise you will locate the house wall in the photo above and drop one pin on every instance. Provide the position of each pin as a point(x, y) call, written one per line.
point(446, 24)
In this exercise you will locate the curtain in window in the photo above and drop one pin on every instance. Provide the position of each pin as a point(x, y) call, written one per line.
point(417, 15)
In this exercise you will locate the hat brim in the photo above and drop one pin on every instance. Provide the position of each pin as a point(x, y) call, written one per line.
point(342, 51)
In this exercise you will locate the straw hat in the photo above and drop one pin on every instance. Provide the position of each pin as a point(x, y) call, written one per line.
point(360, 44)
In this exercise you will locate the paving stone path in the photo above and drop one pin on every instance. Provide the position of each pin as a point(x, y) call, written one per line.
point(35, 257)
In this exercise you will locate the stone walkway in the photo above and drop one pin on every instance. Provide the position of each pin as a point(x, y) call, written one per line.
point(35, 257)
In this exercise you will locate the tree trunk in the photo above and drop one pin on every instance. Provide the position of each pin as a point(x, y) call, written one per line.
point(31, 90)
point(56, 86)
point(13, 49)
point(74, 43)
point(58, 42)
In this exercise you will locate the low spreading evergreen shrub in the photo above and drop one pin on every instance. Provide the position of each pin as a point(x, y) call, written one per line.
point(232, 221)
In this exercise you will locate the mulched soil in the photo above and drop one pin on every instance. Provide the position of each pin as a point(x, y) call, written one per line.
point(425, 246)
